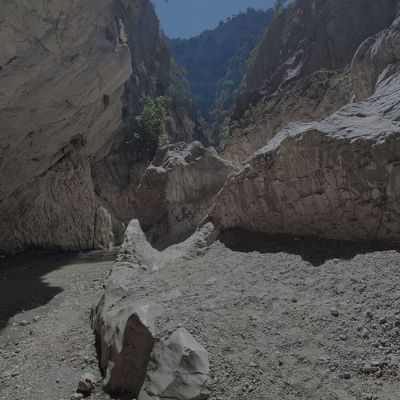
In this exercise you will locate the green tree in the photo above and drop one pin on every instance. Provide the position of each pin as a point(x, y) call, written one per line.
point(151, 124)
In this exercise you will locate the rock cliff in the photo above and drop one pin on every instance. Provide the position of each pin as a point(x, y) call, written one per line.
point(338, 178)
point(71, 76)
point(301, 67)
point(177, 191)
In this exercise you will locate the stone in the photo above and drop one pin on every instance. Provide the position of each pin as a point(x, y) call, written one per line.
point(179, 370)
point(346, 375)
point(127, 339)
point(107, 230)
point(177, 191)
point(87, 383)
point(77, 396)
point(125, 324)
point(334, 311)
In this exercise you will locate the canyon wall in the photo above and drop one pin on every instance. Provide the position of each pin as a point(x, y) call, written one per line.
point(72, 76)
point(338, 178)
point(300, 71)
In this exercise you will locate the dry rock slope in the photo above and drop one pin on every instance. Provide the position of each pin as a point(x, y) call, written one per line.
point(338, 178)
point(299, 71)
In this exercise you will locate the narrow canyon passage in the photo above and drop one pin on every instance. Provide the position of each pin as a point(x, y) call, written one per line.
point(209, 217)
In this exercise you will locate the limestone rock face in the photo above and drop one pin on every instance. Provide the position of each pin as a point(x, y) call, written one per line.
point(373, 58)
point(179, 369)
point(312, 98)
point(71, 76)
point(108, 231)
point(125, 323)
point(312, 36)
point(177, 190)
point(300, 72)
point(57, 65)
point(338, 178)
point(53, 211)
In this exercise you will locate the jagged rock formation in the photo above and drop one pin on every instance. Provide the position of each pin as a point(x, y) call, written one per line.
point(177, 191)
point(308, 48)
point(309, 99)
point(71, 75)
point(338, 178)
point(125, 323)
point(312, 36)
point(179, 370)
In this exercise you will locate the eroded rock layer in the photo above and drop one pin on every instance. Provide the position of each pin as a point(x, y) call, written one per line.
point(72, 75)
point(300, 71)
point(177, 191)
point(312, 98)
point(338, 178)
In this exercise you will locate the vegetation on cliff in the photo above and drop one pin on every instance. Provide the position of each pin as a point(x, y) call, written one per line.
point(215, 60)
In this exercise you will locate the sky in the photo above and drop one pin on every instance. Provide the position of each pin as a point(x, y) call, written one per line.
point(186, 18)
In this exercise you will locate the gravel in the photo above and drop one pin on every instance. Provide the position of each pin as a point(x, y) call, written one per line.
point(261, 306)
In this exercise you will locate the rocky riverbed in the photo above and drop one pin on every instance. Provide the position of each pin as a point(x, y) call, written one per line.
point(46, 343)
point(281, 317)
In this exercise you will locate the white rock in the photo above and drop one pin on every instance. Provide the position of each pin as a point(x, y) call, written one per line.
point(178, 370)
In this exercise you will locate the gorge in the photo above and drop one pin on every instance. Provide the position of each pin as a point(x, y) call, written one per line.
point(222, 212)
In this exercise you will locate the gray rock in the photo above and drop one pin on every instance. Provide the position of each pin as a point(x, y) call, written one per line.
point(177, 191)
point(178, 370)
point(336, 179)
point(123, 324)
point(87, 383)
point(77, 396)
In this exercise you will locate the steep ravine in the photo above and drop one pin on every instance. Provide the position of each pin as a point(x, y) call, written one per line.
point(273, 278)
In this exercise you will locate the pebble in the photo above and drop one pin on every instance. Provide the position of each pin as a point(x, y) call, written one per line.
point(334, 311)
point(366, 396)
point(346, 375)
point(87, 383)
point(365, 334)
point(77, 396)
point(24, 323)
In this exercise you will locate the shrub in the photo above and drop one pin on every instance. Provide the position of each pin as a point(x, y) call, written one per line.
point(150, 134)
point(78, 141)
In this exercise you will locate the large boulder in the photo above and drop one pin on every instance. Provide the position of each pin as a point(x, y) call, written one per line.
point(179, 369)
point(338, 178)
point(177, 190)
point(124, 322)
